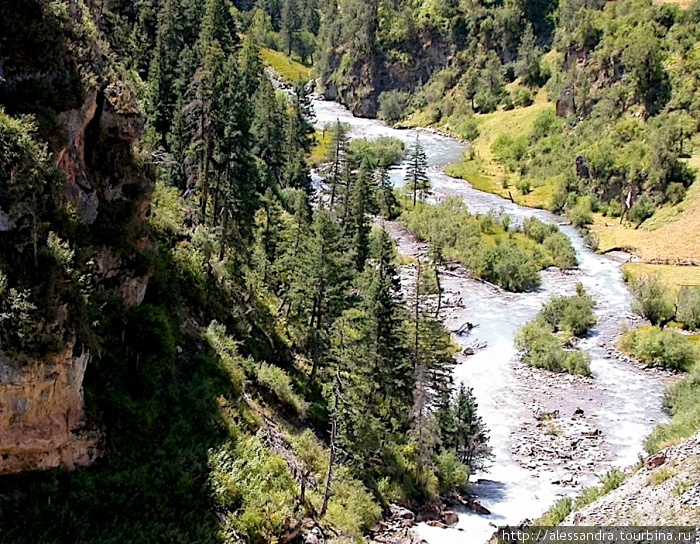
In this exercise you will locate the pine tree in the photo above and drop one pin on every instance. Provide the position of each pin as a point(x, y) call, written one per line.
point(392, 375)
point(336, 159)
point(358, 223)
point(320, 285)
point(164, 68)
point(268, 129)
point(416, 172)
point(528, 65)
point(290, 25)
point(251, 66)
point(386, 197)
point(470, 437)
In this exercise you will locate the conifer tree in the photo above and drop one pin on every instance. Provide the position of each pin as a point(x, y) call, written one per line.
point(416, 172)
point(529, 57)
point(268, 128)
point(386, 197)
point(336, 159)
point(358, 224)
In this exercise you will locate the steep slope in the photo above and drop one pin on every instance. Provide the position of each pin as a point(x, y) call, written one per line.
point(665, 491)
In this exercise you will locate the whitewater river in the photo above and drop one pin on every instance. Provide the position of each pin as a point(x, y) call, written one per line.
point(621, 401)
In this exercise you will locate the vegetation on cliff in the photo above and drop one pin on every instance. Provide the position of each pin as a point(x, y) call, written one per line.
point(255, 368)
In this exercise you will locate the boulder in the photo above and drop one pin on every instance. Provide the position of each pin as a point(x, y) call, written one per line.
point(656, 460)
point(428, 513)
point(450, 517)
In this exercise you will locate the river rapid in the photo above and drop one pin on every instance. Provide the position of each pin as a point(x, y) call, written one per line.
point(621, 403)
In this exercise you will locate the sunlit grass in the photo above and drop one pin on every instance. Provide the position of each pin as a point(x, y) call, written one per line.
point(484, 173)
point(289, 69)
point(671, 275)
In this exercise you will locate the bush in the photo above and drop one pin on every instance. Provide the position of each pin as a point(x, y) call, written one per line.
point(383, 152)
point(688, 307)
point(511, 268)
point(506, 148)
point(538, 230)
point(393, 105)
point(580, 214)
point(557, 513)
point(524, 186)
point(561, 250)
point(675, 193)
point(652, 300)
point(523, 97)
point(277, 381)
point(660, 347)
point(451, 472)
point(682, 401)
point(541, 348)
point(468, 129)
point(573, 315)
point(641, 210)
point(546, 123)
point(254, 490)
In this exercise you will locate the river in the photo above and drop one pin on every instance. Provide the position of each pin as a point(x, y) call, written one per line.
point(621, 402)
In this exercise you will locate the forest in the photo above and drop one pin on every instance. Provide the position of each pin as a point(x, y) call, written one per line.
point(255, 368)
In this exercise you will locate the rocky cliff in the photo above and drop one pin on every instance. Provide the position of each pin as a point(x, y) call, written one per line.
point(55, 67)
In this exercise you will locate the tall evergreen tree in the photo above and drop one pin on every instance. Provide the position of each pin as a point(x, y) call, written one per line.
point(416, 172)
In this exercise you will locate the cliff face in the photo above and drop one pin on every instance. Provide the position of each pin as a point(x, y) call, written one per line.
point(41, 414)
point(90, 132)
point(359, 88)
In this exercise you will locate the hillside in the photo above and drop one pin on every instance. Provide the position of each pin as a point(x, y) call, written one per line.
point(663, 492)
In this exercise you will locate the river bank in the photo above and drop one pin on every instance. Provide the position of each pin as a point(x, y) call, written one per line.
point(620, 404)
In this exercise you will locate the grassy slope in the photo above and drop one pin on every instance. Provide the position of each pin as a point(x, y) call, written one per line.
point(484, 173)
point(285, 67)
point(672, 233)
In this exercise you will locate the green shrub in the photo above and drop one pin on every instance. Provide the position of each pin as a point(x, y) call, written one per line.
point(253, 489)
point(277, 381)
point(523, 97)
point(675, 193)
point(682, 401)
point(468, 129)
point(382, 152)
point(451, 472)
point(652, 299)
point(538, 230)
point(613, 209)
point(662, 474)
point(511, 268)
point(524, 186)
point(660, 347)
point(393, 105)
point(562, 252)
point(557, 513)
point(506, 148)
point(688, 307)
point(546, 123)
point(541, 348)
point(581, 214)
point(570, 314)
point(610, 481)
point(641, 210)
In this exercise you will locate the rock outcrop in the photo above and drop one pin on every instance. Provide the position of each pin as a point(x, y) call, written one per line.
point(41, 414)
point(91, 137)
